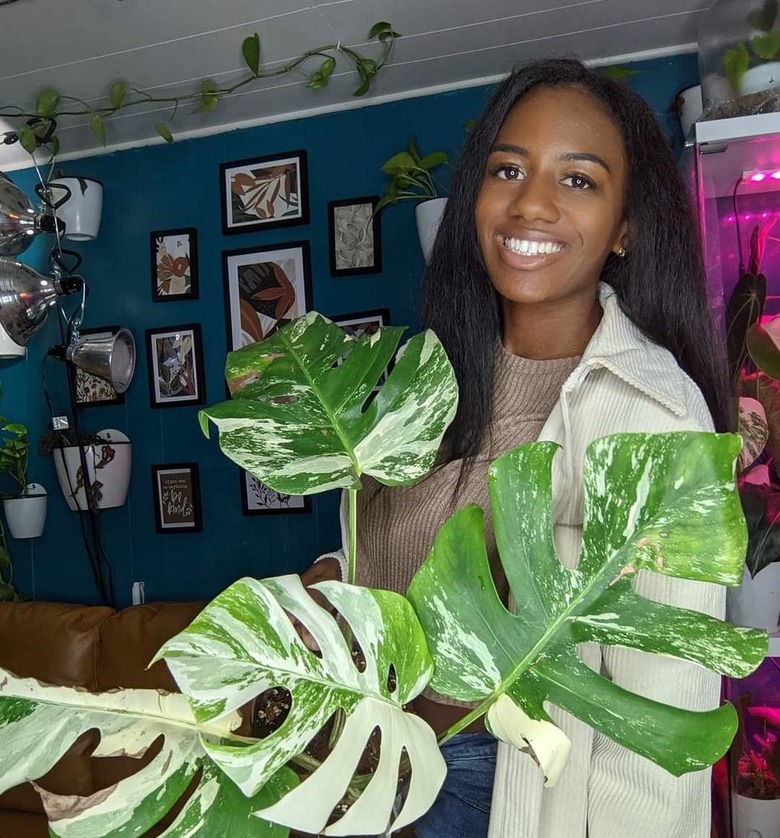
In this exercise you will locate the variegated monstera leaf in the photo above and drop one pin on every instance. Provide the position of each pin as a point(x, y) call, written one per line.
point(38, 724)
point(244, 643)
point(664, 503)
point(297, 419)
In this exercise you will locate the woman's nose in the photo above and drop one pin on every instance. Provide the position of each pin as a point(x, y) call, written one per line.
point(535, 200)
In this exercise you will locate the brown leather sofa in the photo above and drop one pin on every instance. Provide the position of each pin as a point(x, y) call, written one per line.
point(87, 646)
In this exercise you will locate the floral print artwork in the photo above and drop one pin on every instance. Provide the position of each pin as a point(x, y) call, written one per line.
point(261, 498)
point(353, 236)
point(174, 264)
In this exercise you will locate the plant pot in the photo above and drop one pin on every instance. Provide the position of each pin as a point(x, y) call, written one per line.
point(690, 108)
point(428, 215)
point(26, 514)
point(81, 208)
point(754, 818)
point(763, 77)
point(756, 602)
point(108, 467)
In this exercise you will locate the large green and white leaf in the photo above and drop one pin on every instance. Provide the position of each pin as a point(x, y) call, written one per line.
point(38, 723)
point(665, 503)
point(244, 643)
point(753, 429)
point(298, 418)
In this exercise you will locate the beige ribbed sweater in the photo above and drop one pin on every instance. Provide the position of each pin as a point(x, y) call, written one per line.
point(397, 526)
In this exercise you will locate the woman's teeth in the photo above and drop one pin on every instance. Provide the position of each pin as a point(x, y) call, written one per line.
point(531, 248)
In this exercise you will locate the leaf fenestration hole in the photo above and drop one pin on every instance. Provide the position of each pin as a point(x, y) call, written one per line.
point(270, 710)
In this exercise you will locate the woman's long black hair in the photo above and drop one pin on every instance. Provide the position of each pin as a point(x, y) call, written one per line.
point(661, 283)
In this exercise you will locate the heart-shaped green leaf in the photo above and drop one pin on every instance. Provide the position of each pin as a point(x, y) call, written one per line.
point(765, 17)
point(244, 643)
point(735, 64)
point(39, 723)
point(766, 46)
point(300, 420)
point(48, 100)
point(666, 503)
point(116, 96)
point(251, 51)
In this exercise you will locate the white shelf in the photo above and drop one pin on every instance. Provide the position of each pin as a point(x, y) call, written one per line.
point(737, 128)
point(774, 646)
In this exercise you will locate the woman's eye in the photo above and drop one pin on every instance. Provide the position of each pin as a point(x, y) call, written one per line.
point(509, 172)
point(578, 181)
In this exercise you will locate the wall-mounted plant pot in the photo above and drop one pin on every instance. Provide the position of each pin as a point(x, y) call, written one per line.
point(109, 465)
point(755, 818)
point(428, 215)
point(81, 206)
point(691, 108)
point(26, 515)
point(756, 602)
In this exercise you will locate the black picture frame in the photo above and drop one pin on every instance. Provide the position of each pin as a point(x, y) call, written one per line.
point(175, 366)
point(182, 244)
point(252, 201)
point(362, 322)
point(259, 499)
point(286, 266)
point(176, 494)
point(88, 389)
point(354, 236)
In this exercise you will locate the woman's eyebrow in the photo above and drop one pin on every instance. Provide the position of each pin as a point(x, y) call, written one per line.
point(571, 156)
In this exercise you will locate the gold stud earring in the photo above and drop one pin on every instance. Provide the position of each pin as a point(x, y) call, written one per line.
point(621, 251)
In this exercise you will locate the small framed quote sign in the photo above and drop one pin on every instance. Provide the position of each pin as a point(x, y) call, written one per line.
point(176, 489)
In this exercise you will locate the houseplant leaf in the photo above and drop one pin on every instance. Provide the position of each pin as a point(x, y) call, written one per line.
point(763, 350)
point(298, 421)
point(244, 643)
point(38, 723)
point(754, 431)
point(664, 502)
point(743, 309)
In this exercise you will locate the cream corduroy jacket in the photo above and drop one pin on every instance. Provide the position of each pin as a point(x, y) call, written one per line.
point(623, 383)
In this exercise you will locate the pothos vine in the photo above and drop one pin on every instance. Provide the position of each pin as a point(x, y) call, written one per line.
point(38, 129)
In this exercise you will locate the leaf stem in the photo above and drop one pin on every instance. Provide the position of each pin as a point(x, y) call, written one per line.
point(352, 546)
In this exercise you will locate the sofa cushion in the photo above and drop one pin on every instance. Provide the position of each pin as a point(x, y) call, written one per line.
point(50, 641)
point(130, 638)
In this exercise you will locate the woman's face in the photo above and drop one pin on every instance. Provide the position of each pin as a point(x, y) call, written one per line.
point(550, 209)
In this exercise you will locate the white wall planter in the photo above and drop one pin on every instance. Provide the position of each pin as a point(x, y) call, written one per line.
point(428, 215)
point(756, 602)
point(691, 108)
point(82, 206)
point(26, 515)
point(108, 464)
point(755, 818)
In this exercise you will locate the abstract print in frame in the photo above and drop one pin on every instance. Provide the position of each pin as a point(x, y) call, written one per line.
point(264, 192)
point(365, 323)
point(174, 264)
point(175, 360)
point(354, 236)
point(259, 499)
point(265, 288)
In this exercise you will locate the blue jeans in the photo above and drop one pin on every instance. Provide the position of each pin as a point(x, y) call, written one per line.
point(462, 809)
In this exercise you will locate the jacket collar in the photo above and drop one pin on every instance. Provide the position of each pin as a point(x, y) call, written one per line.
point(620, 346)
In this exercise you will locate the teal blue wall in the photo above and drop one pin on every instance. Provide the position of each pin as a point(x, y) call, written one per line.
point(163, 187)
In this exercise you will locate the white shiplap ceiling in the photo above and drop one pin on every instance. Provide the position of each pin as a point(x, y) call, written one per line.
point(166, 47)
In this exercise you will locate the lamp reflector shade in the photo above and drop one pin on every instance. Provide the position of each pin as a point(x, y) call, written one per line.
point(26, 297)
point(19, 222)
point(9, 349)
point(110, 358)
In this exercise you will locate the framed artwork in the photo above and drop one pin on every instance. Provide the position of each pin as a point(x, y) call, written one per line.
point(174, 264)
point(364, 323)
point(175, 356)
point(264, 192)
point(354, 236)
point(90, 390)
point(176, 489)
point(265, 288)
point(259, 499)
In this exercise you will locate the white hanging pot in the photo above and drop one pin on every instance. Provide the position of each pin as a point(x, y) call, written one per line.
point(755, 818)
point(79, 205)
point(428, 215)
point(691, 108)
point(26, 514)
point(762, 77)
point(109, 465)
point(756, 602)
